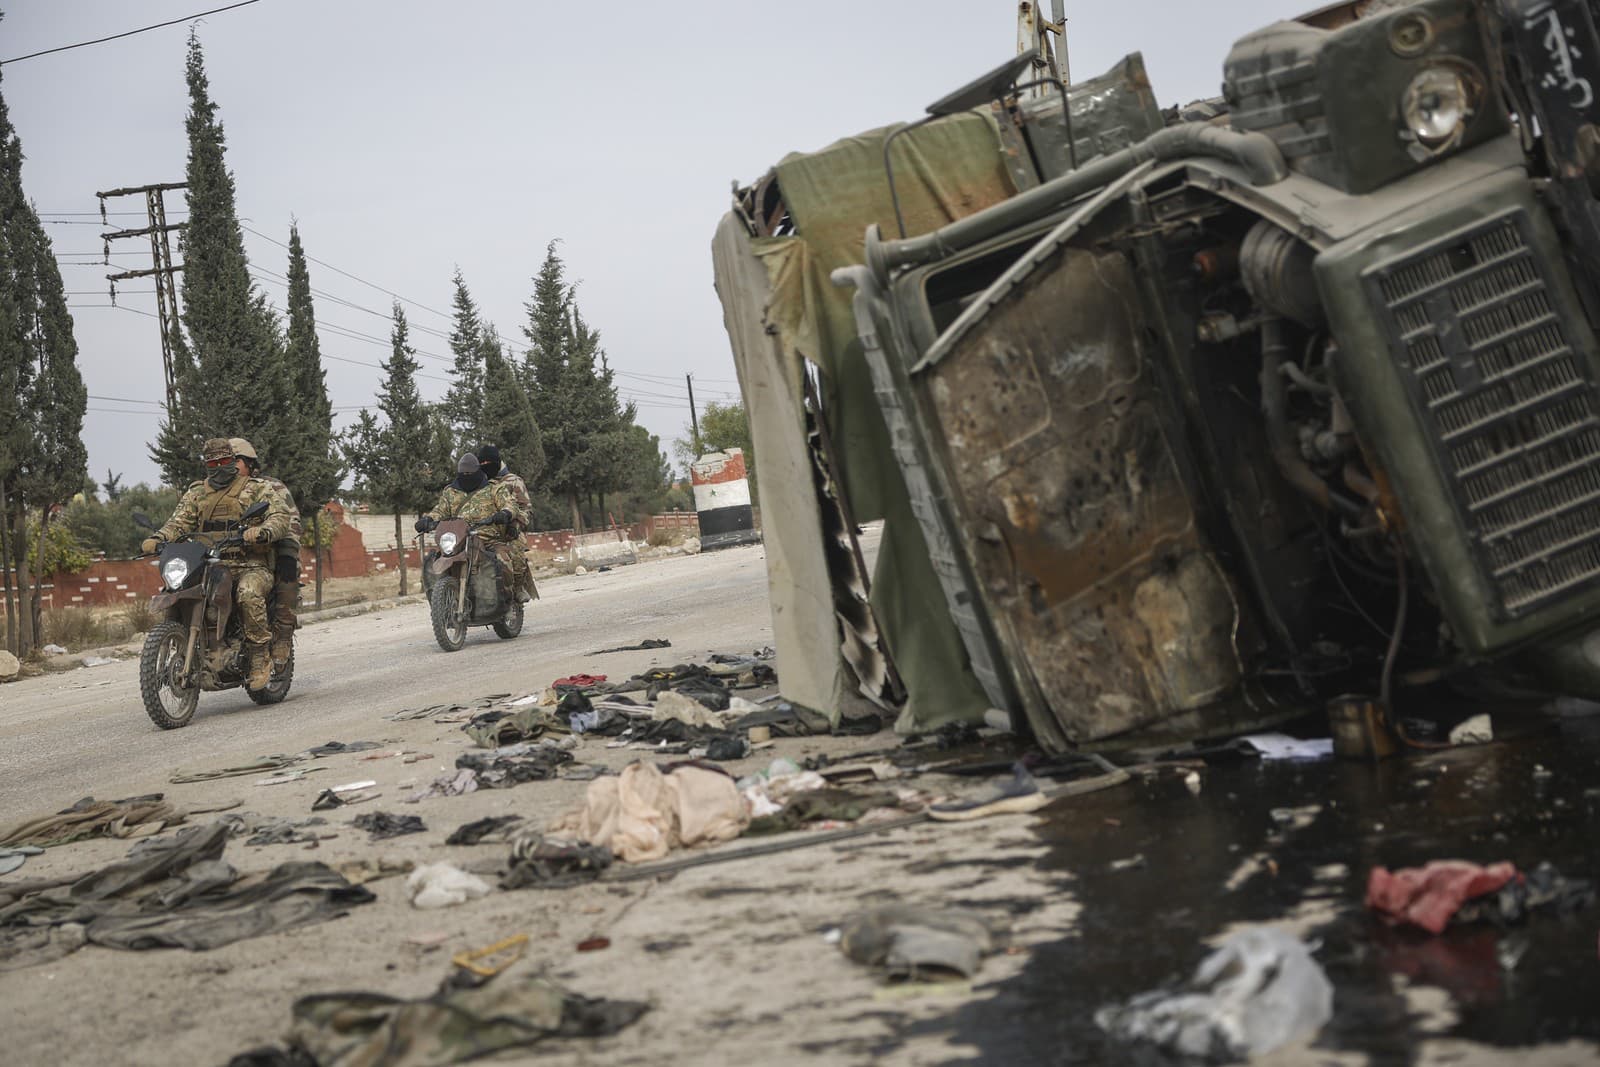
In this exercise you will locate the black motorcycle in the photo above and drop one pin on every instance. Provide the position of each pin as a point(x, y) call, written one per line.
point(467, 585)
point(198, 646)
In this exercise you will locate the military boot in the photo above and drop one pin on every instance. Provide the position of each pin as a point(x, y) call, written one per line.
point(282, 643)
point(260, 666)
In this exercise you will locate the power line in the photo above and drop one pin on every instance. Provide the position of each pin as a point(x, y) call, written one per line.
point(128, 33)
point(352, 277)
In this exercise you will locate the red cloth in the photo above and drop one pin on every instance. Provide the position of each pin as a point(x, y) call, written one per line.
point(578, 681)
point(1429, 896)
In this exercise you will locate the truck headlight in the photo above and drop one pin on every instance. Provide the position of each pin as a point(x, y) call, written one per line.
point(1436, 107)
point(447, 543)
point(174, 571)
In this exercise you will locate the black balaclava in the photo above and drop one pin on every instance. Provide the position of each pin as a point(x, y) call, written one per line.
point(489, 460)
point(469, 479)
point(222, 477)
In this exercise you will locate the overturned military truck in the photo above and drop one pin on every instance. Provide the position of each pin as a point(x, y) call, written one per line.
point(1183, 421)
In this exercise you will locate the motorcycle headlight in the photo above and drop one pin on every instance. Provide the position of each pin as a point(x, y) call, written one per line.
point(1436, 107)
point(174, 572)
point(447, 543)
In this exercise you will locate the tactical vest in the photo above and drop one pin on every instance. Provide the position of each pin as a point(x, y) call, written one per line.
point(218, 509)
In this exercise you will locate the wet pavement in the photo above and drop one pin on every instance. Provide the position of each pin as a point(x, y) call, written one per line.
point(1160, 871)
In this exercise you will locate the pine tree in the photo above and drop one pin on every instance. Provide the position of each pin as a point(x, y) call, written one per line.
point(392, 462)
point(596, 443)
point(234, 382)
point(508, 420)
point(303, 450)
point(463, 402)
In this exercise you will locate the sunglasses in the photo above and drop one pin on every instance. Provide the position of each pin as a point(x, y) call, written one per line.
point(227, 461)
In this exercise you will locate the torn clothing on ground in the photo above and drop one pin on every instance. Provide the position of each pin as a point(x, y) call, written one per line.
point(547, 863)
point(171, 892)
point(643, 814)
point(133, 817)
point(452, 1025)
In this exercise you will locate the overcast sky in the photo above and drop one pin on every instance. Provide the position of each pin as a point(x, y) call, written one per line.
point(409, 137)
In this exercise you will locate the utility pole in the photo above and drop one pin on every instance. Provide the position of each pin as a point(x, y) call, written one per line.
point(694, 419)
point(162, 269)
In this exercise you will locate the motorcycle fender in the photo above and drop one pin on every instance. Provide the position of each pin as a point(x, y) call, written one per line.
point(169, 598)
point(444, 564)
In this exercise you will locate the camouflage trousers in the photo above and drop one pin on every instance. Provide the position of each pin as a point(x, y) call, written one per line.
point(251, 584)
point(514, 558)
point(286, 574)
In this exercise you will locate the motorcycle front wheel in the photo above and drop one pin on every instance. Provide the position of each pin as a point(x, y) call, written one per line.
point(449, 626)
point(278, 687)
point(511, 625)
point(168, 704)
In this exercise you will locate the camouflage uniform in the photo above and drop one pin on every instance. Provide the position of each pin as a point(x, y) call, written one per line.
point(505, 540)
point(205, 510)
point(523, 510)
point(286, 573)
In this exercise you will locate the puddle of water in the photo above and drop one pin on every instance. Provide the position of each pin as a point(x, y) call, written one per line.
point(1298, 839)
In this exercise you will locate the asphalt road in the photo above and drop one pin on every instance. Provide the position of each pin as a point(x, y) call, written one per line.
point(84, 732)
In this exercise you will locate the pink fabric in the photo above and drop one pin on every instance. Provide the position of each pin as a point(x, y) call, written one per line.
point(1429, 896)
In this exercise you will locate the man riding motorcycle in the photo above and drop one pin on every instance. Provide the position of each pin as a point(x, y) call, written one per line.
point(499, 474)
point(207, 507)
point(286, 561)
point(472, 496)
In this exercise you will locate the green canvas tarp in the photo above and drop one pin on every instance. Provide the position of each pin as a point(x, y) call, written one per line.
point(781, 310)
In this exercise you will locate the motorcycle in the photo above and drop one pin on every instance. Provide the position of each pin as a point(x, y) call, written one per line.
point(198, 646)
point(467, 585)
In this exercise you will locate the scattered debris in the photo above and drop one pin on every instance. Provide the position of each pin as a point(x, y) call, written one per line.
point(456, 784)
point(381, 824)
point(452, 1025)
point(643, 814)
point(336, 748)
point(1259, 991)
point(647, 643)
point(439, 885)
point(491, 830)
point(360, 872)
point(1020, 794)
point(553, 864)
point(13, 858)
point(493, 959)
point(1446, 892)
point(594, 944)
point(922, 943)
point(132, 817)
point(1478, 730)
point(502, 771)
point(265, 763)
point(1276, 746)
point(170, 892)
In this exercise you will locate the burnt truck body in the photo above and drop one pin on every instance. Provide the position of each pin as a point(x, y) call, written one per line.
point(1231, 408)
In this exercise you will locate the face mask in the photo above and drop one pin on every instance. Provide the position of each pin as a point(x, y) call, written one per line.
point(470, 483)
point(222, 477)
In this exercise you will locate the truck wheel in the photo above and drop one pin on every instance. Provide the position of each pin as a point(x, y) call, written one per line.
point(278, 687)
point(449, 629)
point(169, 706)
point(511, 625)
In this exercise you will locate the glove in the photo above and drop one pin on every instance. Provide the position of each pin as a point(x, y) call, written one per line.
point(503, 517)
point(255, 535)
point(425, 524)
point(149, 545)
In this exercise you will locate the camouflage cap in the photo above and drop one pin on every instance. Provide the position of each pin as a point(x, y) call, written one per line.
point(244, 448)
point(217, 448)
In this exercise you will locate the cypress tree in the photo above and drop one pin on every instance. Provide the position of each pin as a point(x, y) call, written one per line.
point(597, 446)
point(235, 383)
point(507, 413)
point(392, 462)
point(42, 396)
point(463, 402)
point(303, 446)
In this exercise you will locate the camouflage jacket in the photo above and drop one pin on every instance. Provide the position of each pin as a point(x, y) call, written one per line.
point(494, 496)
point(290, 544)
point(523, 509)
point(203, 510)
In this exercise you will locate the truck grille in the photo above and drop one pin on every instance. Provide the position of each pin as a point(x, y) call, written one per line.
point(1508, 403)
